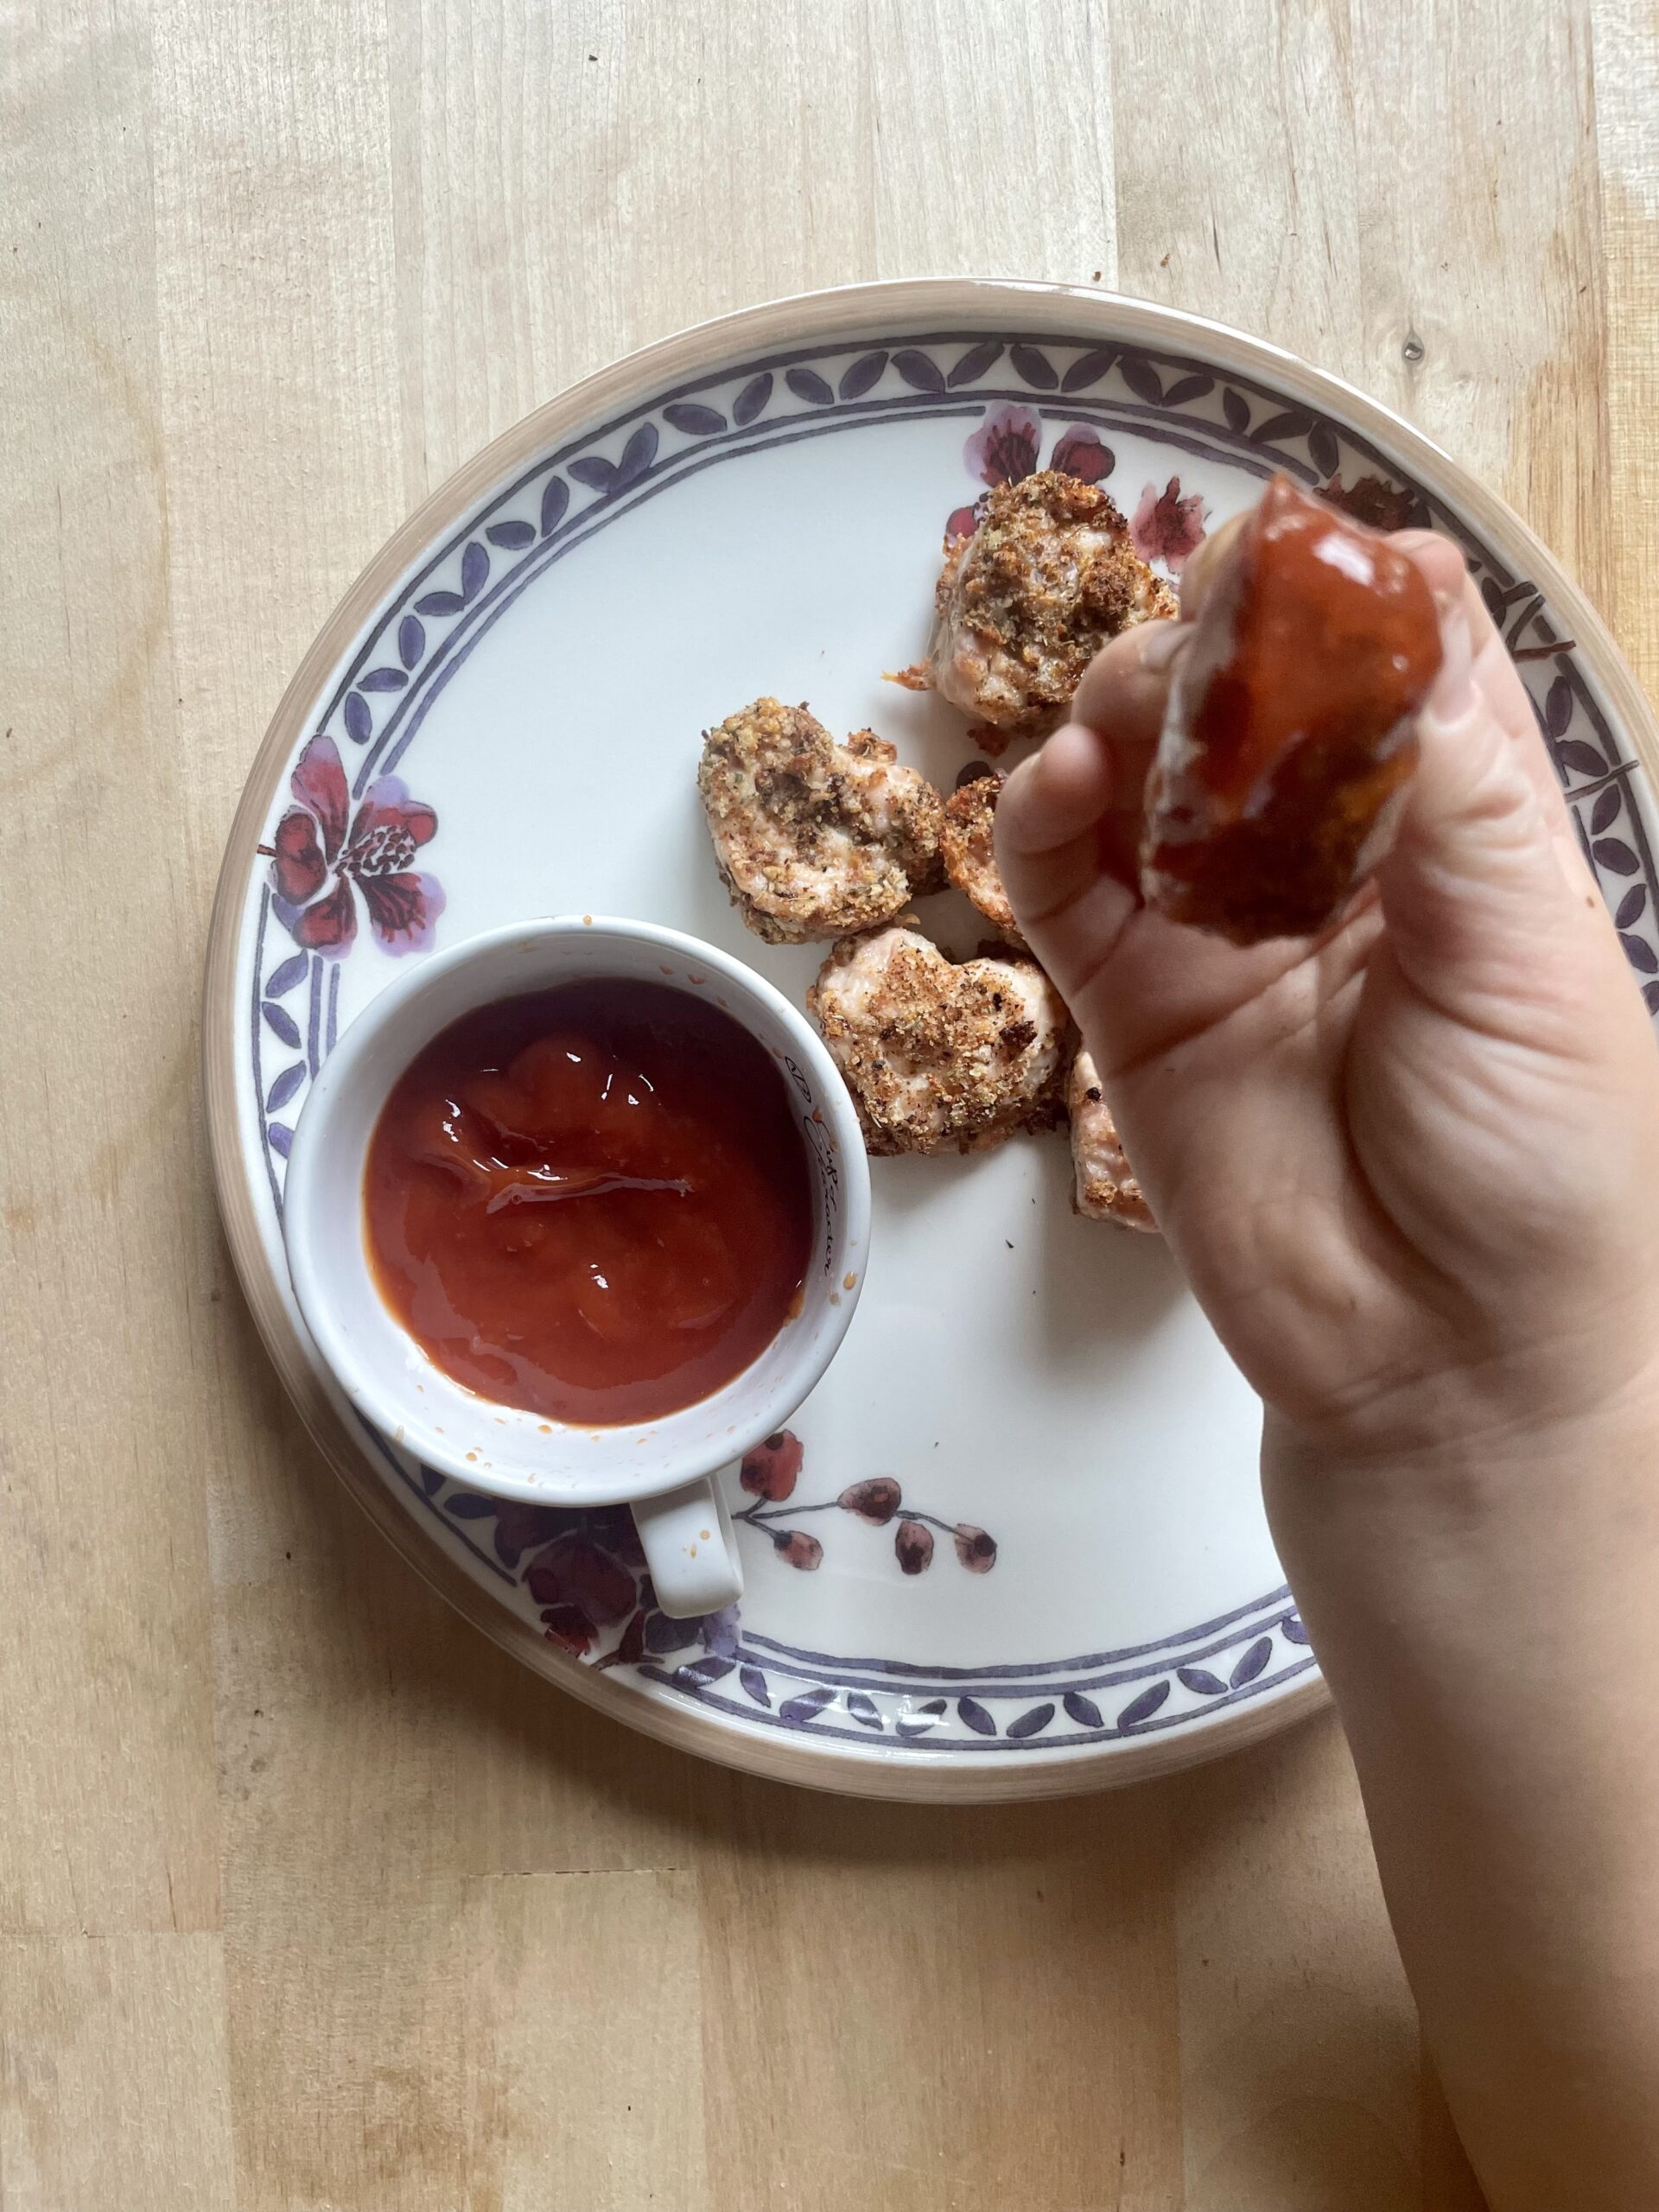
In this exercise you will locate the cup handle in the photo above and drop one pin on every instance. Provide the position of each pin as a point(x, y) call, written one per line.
point(690, 1548)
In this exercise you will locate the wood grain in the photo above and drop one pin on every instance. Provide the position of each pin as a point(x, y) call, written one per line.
point(1625, 56)
point(309, 1896)
point(107, 1693)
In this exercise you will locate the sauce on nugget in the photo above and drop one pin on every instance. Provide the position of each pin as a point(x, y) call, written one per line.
point(1290, 738)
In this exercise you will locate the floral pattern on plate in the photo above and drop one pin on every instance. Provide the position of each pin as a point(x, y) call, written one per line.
point(319, 867)
point(585, 1574)
point(349, 833)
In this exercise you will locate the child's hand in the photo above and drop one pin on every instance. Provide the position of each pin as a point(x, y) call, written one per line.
point(1411, 1172)
point(1411, 1168)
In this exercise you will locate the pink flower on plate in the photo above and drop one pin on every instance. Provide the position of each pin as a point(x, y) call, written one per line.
point(1166, 527)
point(1004, 448)
point(313, 845)
point(1078, 452)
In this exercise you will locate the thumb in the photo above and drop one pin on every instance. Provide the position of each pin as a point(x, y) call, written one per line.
point(1491, 908)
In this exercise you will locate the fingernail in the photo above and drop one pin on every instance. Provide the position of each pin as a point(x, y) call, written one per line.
point(1160, 643)
point(1452, 692)
point(1021, 774)
point(1212, 552)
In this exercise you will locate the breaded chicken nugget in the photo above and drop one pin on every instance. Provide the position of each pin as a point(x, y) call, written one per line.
point(815, 839)
point(1106, 1187)
point(1024, 605)
point(938, 1053)
point(968, 847)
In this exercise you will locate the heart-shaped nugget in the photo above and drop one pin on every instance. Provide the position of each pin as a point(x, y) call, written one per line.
point(1024, 605)
point(939, 1053)
point(815, 839)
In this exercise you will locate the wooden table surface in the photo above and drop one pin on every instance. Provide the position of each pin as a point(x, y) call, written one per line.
point(309, 1896)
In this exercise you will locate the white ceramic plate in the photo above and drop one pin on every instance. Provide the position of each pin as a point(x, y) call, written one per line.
point(503, 719)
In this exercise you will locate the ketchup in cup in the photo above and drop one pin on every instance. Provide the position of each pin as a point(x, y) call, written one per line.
point(591, 1202)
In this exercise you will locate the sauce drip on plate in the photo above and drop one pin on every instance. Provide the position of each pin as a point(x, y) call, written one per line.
point(592, 1202)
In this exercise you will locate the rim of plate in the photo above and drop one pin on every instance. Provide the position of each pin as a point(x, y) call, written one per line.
point(932, 1777)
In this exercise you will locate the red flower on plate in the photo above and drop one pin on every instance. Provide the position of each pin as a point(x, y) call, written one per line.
point(875, 1501)
point(576, 1571)
point(976, 1551)
point(1079, 453)
point(570, 1629)
point(796, 1548)
point(1004, 448)
point(914, 1546)
point(1372, 499)
point(319, 864)
point(1166, 527)
point(771, 1469)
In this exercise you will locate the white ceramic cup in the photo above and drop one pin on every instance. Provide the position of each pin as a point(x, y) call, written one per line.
point(665, 1469)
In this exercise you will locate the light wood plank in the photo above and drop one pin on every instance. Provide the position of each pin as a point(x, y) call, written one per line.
point(951, 80)
point(1236, 197)
point(1625, 51)
point(1480, 246)
point(1300, 2060)
point(643, 169)
point(106, 1764)
point(265, 276)
point(408, 2042)
point(114, 2084)
point(915, 2008)
point(274, 261)
point(349, 1687)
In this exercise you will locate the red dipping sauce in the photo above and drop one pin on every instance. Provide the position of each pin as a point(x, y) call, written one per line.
point(592, 1202)
point(1290, 736)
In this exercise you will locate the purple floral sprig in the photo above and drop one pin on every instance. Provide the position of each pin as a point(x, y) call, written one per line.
point(770, 1473)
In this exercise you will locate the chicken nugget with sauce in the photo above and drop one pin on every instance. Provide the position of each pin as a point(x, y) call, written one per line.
point(1290, 736)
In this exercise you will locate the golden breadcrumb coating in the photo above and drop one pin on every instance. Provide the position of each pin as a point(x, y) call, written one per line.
point(1106, 1187)
point(968, 847)
point(815, 839)
point(1024, 605)
point(937, 1053)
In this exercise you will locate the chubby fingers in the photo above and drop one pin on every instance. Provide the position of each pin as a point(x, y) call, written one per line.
point(1071, 812)
point(1057, 795)
point(1208, 564)
point(1068, 823)
point(1050, 821)
point(1471, 642)
point(1125, 688)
